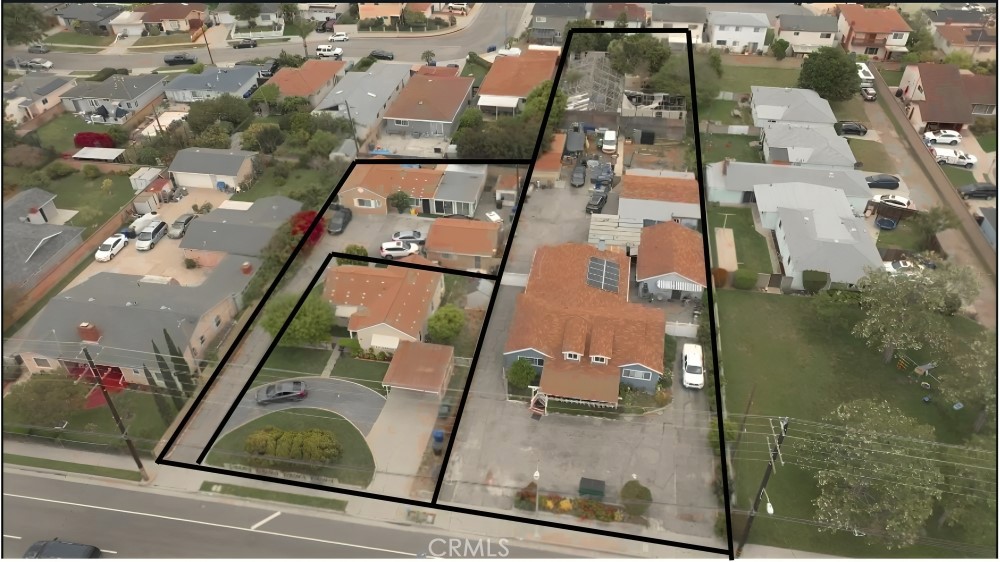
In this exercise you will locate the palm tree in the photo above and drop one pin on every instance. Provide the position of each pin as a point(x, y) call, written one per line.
point(427, 56)
point(303, 30)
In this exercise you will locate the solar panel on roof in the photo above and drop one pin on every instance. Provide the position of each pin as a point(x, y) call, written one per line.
point(603, 274)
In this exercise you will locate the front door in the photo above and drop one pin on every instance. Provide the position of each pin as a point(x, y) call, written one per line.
point(425, 206)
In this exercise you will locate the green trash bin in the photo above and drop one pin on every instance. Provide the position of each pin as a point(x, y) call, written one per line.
point(592, 489)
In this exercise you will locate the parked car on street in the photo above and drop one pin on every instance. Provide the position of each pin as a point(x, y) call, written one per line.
point(869, 94)
point(893, 200)
point(245, 44)
point(288, 391)
point(38, 49)
point(414, 236)
point(379, 54)
point(953, 157)
point(110, 247)
point(56, 548)
point(339, 220)
point(180, 58)
point(339, 36)
point(180, 226)
point(15, 63)
point(39, 64)
point(882, 181)
point(944, 136)
point(981, 190)
point(579, 176)
point(851, 128)
point(596, 203)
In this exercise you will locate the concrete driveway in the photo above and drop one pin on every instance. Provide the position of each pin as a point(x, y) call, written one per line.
point(399, 438)
point(550, 216)
point(371, 231)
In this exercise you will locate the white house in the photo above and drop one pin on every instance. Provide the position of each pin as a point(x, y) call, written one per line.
point(819, 240)
point(212, 82)
point(789, 106)
point(206, 168)
point(805, 34)
point(741, 32)
point(606, 15)
point(669, 16)
point(269, 14)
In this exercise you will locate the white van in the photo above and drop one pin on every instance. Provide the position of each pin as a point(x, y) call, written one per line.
point(140, 224)
point(609, 144)
point(329, 51)
point(150, 235)
point(692, 366)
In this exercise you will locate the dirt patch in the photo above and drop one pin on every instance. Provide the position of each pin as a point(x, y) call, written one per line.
point(657, 157)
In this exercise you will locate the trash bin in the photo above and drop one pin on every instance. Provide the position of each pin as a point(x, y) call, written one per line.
point(437, 441)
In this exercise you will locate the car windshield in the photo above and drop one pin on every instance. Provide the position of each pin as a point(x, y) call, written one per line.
point(105, 247)
point(145, 236)
point(694, 370)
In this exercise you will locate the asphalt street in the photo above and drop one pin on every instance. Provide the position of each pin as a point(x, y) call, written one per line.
point(146, 524)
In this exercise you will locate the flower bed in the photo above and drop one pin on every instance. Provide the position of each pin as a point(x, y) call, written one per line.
point(583, 508)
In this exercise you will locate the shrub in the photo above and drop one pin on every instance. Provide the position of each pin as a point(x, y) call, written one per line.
point(814, 281)
point(190, 263)
point(636, 498)
point(106, 73)
point(474, 58)
point(744, 279)
point(521, 374)
point(26, 156)
point(35, 179)
point(59, 170)
point(984, 125)
point(720, 276)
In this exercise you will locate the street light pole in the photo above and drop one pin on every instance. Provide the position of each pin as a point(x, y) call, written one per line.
point(775, 452)
point(538, 493)
point(114, 413)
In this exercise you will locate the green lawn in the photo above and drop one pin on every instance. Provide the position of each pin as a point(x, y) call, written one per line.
point(797, 364)
point(475, 70)
point(872, 156)
point(716, 148)
point(988, 141)
point(738, 79)
point(903, 237)
point(58, 133)
point(75, 192)
point(63, 466)
point(81, 39)
point(172, 39)
point(355, 467)
point(292, 30)
point(850, 110)
point(367, 373)
point(271, 496)
point(751, 247)
point(959, 176)
point(291, 362)
point(721, 111)
point(267, 184)
point(892, 77)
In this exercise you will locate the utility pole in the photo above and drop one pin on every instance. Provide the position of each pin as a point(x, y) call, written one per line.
point(354, 128)
point(775, 455)
point(114, 413)
point(204, 36)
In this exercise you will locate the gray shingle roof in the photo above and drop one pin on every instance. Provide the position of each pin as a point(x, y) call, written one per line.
point(750, 19)
point(823, 24)
point(117, 87)
point(463, 184)
point(210, 161)
point(680, 14)
point(27, 247)
point(34, 86)
point(367, 93)
point(790, 104)
point(802, 196)
point(20, 204)
point(811, 145)
point(820, 240)
point(226, 80)
point(956, 16)
point(92, 13)
point(744, 176)
point(243, 233)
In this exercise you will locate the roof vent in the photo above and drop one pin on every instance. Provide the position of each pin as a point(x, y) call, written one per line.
point(601, 245)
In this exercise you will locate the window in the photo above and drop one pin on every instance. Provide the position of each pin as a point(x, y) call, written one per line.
point(897, 35)
point(825, 35)
point(599, 23)
point(175, 25)
point(721, 43)
point(201, 339)
point(367, 203)
point(45, 101)
point(758, 29)
point(871, 51)
point(42, 363)
point(535, 362)
point(736, 43)
point(570, 356)
point(737, 29)
point(796, 34)
point(983, 109)
point(218, 321)
point(638, 375)
point(599, 360)
point(95, 103)
point(400, 123)
point(722, 28)
point(414, 202)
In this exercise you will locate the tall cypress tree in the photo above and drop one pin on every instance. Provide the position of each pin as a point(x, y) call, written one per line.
point(168, 377)
point(161, 403)
point(181, 369)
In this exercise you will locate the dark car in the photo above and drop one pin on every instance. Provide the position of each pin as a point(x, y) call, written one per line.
point(245, 44)
point(16, 62)
point(326, 25)
point(851, 128)
point(270, 66)
point(339, 220)
point(180, 58)
point(56, 548)
point(39, 49)
point(379, 54)
point(289, 391)
point(882, 181)
point(981, 190)
point(579, 176)
point(180, 226)
point(596, 203)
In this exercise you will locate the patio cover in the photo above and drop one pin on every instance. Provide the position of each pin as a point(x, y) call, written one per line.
point(499, 101)
point(92, 153)
point(665, 285)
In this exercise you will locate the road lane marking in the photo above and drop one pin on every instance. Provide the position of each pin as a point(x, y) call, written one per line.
point(11, 537)
point(265, 520)
point(210, 524)
point(109, 551)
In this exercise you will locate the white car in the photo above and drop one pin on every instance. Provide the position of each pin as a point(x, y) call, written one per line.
point(954, 157)
point(393, 250)
point(905, 267)
point(339, 36)
point(457, 7)
point(110, 248)
point(39, 64)
point(943, 136)
point(893, 200)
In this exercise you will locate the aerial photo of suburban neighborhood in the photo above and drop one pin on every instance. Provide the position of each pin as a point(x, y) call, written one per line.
point(499, 280)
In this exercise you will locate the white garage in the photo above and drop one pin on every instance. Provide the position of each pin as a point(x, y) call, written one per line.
point(211, 168)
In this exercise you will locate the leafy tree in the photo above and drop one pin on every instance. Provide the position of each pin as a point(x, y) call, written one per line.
point(147, 156)
point(780, 49)
point(22, 24)
point(294, 104)
point(472, 118)
point(162, 406)
point(262, 137)
point(46, 399)
point(289, 12)
point(354, 250)
point(639, 53)
point(267, 95)
point(961, 59)
point(322, 143)
point(289, 60)
point(971, 490)
point(920, 39)
point(831, 73)
point(203, 114)
point(583, 42)
point(216, 136)
point(521, 374)
point(339, 126)
point(413, 18)
point(870, 478)
point(970, 374)
point(446, 324)
point(300, 225)
point(715, 61)
point(674, 77)
point(621, 22)
point(118, 134)
point(300, 122)
point(507, 137)
point(311, 325)
point(106, 186)
point(399, 200)
point(427, 56)
point(58, 170)
point(636, 498)
point(246, 12)
point(835, 308)
point(169, 380)
point(10, 137)
point(196, 68)
point(932, 221)
point(300, 450)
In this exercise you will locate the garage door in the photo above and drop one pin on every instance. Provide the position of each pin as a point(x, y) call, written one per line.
point(386, 343)
point(192, 181)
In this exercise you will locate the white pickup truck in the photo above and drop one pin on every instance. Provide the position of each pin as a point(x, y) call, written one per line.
point(953, 157)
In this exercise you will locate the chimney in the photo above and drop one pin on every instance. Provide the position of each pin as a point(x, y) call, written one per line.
point(88, 332)
point(601, 245)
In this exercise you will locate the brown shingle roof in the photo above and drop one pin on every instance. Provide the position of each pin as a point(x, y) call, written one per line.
point(506, 182)
point(155, 13)
point(963, 35)
point(610, 12)
point(669, 247)
point(945, 100)
point(431, 98)
point(397, 296)
point(306, 80)
point(368, 10)
point(518, 76)
point(873, 20)
point(421, 183)
point(980, 89)
point(463, 237)
point(552, 160)
point(674, 190)
point(420, 366)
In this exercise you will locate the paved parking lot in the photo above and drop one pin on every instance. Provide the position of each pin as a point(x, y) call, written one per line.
point(371, 231)
point(552, 216)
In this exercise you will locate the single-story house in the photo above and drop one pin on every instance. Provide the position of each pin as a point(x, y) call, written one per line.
point(817, 239)
point(741, 32)
point(125, 319)
point(989, 225)
point(660, 199)
point(943, 16)
point(575, 326)
point(511, 79)
point(129, 24)
point(805, 34)
point(94, 19)
point(364, 97)
point(238, 81)
point(367, 189)
point(35, 237)
point(806, 146)
point(211, 168)
point(979, 42)
point(114, 100)
point(693, 18)
point(548, 21)
point(464, 244)
point(241, 232)
point(671, 262)
point(459, 191)
point(382, 307)
point(420, 367)
point(173, 17)
point(607, 15)
point(33, 94)
point(389, 13)
point(270, 12)
point(429, 106)
point(789, 106)
point(940, 96)
point(796, 195)
point(426, 70)
point(314, 80)
point(730, 183)
point(880, 33)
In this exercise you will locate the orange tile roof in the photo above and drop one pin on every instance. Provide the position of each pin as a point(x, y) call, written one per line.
point(518, 76)
point(437, 70)
point(368, 10)
point(397, 296)
point(674, 190)
point(962, 35)
point(384, 180)
point(463, 237)
point(306, 80)
point(560, 312)
point(419, 366)
point(611, 12)
point(431, 98)
point(551, 161)
point(873, 20)
point(506, 182)
point(669, 247)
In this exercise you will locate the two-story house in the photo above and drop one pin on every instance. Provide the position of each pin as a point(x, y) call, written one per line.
point(609, 15)
point(692, 18)
point(548, 21)
point(805, 34)
point(739, 32)
point(940, 96)
point(879, 33)
point(980, 42)
point(116, 99)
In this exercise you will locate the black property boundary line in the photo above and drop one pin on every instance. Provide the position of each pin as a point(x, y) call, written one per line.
point(433, 504)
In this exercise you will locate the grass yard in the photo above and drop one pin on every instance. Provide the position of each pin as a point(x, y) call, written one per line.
point(172, 39)
point(893, 77)
point(292, 30)
point(63, 466)
point(58, 133)
point(751, 247)
point(267, 184)
point(716, 148)
point(85, 196)
point(272, 496)
point(988, 141)
point(476, 71)
point(722, 111)
point(850, 110)
point(803, 367)
point(79, 39)
point(872, 156)
point(290, 362)
point(904, 237)
point(355, 466)
point(738, 79)
point(958, 176)
point(361, 371)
